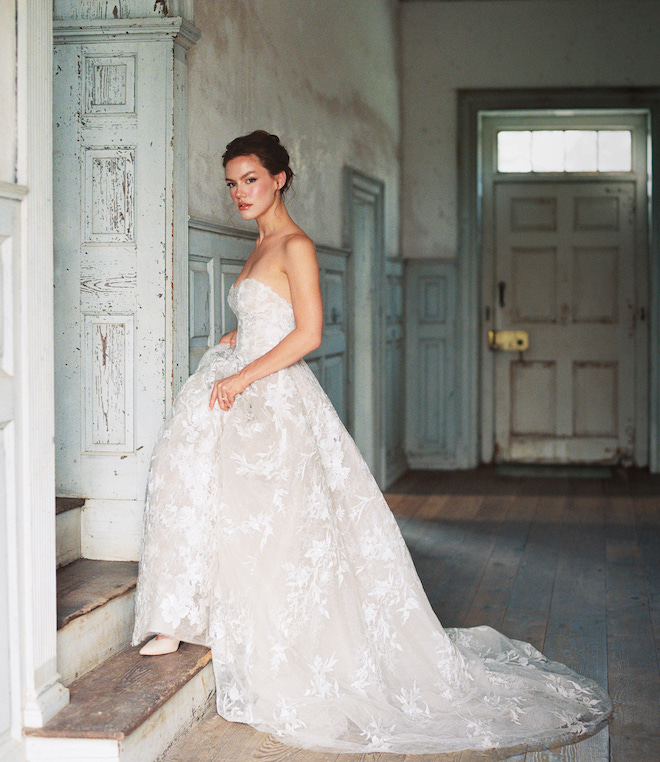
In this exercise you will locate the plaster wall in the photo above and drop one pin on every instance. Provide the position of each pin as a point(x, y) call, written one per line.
point(8, 91)
point(323, 76)
point(464, 44)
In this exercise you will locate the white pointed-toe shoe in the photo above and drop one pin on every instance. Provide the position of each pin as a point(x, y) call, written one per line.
point(161, 644)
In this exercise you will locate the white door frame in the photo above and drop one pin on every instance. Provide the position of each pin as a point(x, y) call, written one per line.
point(31, 692)
point(471, 104)
point(366, 393)
point(637, 122)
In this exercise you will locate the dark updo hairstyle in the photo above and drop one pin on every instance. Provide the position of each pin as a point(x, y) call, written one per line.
point(267, 148)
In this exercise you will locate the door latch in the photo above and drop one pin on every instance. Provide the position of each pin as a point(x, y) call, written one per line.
point(508, 341)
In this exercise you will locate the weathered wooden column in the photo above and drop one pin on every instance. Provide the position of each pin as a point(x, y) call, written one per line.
point(121, 213)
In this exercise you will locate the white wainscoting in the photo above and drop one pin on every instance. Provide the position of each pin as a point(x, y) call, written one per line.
point(216, 256)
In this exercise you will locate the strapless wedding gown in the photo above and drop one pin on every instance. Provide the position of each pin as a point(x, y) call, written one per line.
point(267, 539)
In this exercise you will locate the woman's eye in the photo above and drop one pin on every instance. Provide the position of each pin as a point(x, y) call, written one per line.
point(251, 180)
point(230, 185)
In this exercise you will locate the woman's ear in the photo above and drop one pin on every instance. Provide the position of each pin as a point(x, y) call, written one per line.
point(280, 178)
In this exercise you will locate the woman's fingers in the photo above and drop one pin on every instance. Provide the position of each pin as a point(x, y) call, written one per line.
point(222, 395)
point(216, 396)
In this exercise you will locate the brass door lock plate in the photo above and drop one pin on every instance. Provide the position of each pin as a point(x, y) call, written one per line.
point(508, 341)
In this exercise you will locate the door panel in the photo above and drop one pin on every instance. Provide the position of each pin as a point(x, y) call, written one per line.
point(565, 272)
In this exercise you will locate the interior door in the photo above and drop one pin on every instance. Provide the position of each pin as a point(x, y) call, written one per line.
point(564, 271)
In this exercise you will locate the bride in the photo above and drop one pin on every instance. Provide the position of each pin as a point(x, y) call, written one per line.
point(267, 539)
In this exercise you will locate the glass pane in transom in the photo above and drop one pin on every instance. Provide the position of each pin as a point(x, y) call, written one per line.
point(514, 151)
point(581, 150)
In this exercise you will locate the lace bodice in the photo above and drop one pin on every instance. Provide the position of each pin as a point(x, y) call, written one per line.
point(262, 322)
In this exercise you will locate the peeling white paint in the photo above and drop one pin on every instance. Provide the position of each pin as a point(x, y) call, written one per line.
point(108, 383)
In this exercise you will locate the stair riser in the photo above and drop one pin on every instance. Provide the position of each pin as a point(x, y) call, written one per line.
point(146, 743)
point(71, 750)
point(68, 537)
point(89, 640)
point(180, 713)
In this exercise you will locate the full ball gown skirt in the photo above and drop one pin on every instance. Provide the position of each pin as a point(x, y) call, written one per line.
point(267, 539)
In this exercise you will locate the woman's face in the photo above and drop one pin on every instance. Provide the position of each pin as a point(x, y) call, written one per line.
point(251, 186)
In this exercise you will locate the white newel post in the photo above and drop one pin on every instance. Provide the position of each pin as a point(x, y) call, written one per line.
point(42, 695)
point(121, 254)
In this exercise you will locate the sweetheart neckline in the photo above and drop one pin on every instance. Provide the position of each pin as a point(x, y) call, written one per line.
point(234, 286)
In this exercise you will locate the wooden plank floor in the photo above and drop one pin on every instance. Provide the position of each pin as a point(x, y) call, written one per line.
point(569, 564)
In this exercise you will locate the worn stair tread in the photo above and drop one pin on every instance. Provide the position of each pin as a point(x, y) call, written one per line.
point(64, 504)
point(116, 697)
point(84, 585)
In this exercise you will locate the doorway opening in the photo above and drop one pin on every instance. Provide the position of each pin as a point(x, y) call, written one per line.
point(364, 227)
point(563, 208)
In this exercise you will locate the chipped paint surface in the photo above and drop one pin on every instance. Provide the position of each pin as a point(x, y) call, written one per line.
point(112, 144)
point(121, 9)
point(111, 192)
point(109, 407)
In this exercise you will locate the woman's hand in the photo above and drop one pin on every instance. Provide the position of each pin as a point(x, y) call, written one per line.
point(229, 338)
point(301, 268)
point(225, 390)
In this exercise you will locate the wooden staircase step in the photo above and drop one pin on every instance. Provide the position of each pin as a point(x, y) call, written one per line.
point(95, 613)
point(85, 585)
point(113, 699)
point(64, 504)
point(123, 700)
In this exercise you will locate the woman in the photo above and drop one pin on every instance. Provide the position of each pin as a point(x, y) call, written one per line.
point(267, 539)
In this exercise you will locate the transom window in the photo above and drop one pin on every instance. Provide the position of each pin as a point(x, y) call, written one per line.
point(564, 151)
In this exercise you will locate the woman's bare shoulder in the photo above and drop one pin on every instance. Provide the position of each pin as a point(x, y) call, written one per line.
point(298, 245)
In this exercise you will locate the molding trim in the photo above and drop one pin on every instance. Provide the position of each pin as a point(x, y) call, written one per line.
point(219, 229)
point(188, 35)
point(251, 235)
point(41, 693)
point(12, 191)
point(366, 295)
point(148, 29)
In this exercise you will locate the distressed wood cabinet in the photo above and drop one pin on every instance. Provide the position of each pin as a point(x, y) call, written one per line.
point(121, 259)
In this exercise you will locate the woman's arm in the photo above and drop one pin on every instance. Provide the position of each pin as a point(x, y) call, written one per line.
point(300, 265)
point(229, 338)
